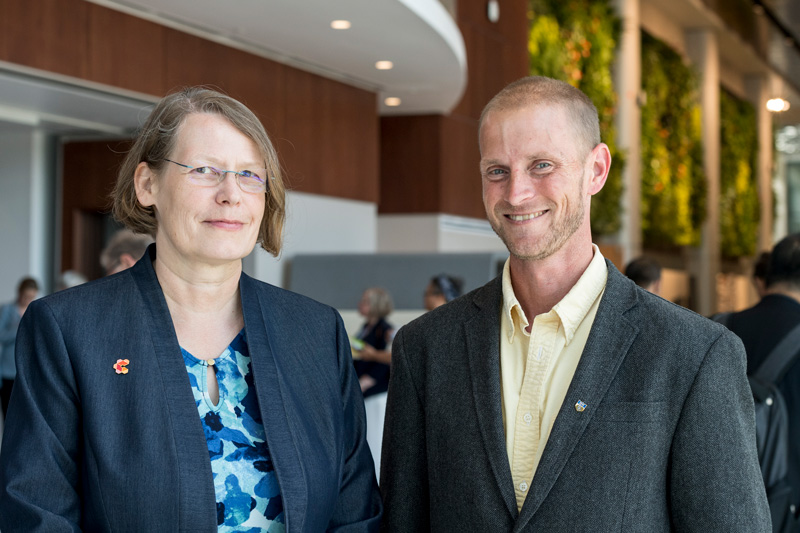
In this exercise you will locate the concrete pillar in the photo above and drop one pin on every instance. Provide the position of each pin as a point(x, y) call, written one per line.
point(758, 93)
point(628, 83)
point(703, 50)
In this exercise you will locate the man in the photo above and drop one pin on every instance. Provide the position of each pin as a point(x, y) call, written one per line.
point(559, 396)
point(764, 325)
point(646, 273)
point(123, 250)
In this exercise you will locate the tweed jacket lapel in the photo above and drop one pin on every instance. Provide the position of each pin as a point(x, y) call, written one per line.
point(266, 332)
point(482, 332)
point(609, 340)
point(196, 498)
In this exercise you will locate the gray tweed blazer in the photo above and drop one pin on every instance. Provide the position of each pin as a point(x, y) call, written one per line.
point(666, 442)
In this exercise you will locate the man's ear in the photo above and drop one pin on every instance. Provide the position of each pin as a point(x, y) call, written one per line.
point(145, 183)
point(600, 160)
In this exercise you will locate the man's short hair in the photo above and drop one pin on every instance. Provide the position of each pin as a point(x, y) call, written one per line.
point(539, 90)
point(644, 271)
point(124, 242)
point(761, 268)
point(784, 264)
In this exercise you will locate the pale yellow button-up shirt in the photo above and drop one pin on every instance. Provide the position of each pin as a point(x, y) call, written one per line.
point(536, 368)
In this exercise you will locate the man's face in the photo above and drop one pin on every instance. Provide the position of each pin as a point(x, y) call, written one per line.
point(534, 173)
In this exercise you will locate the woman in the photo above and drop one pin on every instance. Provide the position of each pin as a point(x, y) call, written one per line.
point(376, 335)
point(372, 363)
point(10, 315)
point(181, 394)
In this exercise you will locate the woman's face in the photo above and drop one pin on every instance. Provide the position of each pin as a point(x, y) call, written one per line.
point(363, 305)
point(27, 296)
point(433, 298)
point(199, 224)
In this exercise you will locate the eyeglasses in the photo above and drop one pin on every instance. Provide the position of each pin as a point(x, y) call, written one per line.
point(206, 176)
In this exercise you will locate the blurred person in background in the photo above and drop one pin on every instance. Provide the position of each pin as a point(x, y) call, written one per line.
point(768, 324)
point(646, 273)
point(123, 250)
point(375, 336)
point(182, 394)
point(442, 289)
point(371, 358)
point(760, 270)
point(69, 279)
point(10, 315)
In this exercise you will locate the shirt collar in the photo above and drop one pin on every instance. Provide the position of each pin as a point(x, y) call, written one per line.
point(571, 310)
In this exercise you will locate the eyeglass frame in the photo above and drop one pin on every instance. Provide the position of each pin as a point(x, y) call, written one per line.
point(223, 173)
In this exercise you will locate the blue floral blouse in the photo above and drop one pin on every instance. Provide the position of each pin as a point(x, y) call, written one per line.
point(248, 496)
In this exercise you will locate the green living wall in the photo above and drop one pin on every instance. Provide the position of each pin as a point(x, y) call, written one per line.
point(575, 41)
point(673, 180)
point(739, 206)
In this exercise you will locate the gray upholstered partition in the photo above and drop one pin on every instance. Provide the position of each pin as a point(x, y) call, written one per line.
point(339, 280)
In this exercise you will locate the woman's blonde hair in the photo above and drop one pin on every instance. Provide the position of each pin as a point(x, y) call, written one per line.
point(379, 302)
point(156, 141)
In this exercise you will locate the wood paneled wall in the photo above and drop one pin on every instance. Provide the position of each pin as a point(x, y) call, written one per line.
point(429, 164)
point(326, 132)
point(89, 172)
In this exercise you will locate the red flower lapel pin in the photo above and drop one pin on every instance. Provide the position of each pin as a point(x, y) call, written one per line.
point(121, 366)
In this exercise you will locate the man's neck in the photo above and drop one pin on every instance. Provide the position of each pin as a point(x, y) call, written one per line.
point(541, 284)
point(784, 290)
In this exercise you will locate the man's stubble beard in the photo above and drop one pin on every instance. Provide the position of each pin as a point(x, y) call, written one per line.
point(563, 230)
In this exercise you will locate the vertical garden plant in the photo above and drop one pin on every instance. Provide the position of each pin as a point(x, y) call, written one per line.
point(673, 180)
point(575, 41)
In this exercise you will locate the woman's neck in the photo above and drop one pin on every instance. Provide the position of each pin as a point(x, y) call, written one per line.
point(204, 304)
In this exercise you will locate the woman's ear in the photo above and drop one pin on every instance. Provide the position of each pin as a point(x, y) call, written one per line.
point(145, 183)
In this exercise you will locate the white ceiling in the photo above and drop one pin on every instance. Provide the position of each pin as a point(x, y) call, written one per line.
point(419, 36)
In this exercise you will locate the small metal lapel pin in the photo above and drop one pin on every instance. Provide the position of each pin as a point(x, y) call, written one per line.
point(580, 406)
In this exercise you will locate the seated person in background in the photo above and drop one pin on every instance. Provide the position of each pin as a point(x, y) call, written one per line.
point(372, 367)
point(123, 250)
point(442, 289)
point(646, 273)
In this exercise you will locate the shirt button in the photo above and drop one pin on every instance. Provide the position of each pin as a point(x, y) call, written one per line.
point(523, 486)
point(527, 418)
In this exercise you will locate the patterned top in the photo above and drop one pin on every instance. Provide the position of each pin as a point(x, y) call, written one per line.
point(248, 496)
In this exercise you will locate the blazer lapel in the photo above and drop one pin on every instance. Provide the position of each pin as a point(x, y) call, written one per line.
point(263, 326)
point(482, 332)
point(197, 507)
point(610, 339)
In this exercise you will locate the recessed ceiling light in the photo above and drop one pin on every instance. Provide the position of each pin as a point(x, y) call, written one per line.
point(392, 101)
point(340, 24)
point(384, 65)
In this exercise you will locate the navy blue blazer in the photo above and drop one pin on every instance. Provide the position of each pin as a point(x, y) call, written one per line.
point(87, 448)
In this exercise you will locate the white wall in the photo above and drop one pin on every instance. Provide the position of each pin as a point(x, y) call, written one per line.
point(436, 233)
point(317, 224)
point(24, 197)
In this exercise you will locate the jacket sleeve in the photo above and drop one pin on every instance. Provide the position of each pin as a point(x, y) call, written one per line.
point(404, 470)
point(715, 479)
point(39, 470)
point(358, 508)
